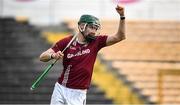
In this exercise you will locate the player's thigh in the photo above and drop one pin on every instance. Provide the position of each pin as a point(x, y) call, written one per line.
point(57, 96)
point(76, 98)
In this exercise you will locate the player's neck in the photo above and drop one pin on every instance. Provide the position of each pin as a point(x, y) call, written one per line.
point(81, 38)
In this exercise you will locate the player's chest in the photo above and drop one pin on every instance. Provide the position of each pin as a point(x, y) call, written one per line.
point(79, 51)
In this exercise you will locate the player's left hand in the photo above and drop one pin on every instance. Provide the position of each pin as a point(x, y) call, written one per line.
point(120, 10)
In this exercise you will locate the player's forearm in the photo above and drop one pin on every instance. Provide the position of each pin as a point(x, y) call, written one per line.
point(50, 54)
point(121, 30)
point(45, 57)
point(120, 35)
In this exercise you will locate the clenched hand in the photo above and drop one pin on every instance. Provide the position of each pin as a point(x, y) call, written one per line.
point(57, 55)
point(120, 10)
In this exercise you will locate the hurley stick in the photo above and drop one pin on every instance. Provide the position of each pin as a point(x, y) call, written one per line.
point(46, 70)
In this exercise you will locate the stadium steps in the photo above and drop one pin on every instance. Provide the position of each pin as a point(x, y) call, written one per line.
point(21, 44)
point(150, 47)
point(120, 90)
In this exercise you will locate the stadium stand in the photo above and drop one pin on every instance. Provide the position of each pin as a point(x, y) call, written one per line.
point(21, 44)
point(151, 47)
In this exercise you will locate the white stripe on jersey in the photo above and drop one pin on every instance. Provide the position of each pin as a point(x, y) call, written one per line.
point(66, 75)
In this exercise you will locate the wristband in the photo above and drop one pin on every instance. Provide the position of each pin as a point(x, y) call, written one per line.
point(122, 17)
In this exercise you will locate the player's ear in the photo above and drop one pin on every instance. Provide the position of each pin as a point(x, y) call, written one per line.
point(81, 26)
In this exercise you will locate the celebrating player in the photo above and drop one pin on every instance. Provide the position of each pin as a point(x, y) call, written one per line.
point(79, 58)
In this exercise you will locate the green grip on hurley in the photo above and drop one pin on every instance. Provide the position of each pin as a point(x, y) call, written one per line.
point(41, 77)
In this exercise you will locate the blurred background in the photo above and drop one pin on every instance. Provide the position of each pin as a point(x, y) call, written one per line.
point(143, 69)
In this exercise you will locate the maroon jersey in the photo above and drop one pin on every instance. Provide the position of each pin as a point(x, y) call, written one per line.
point(78, 61)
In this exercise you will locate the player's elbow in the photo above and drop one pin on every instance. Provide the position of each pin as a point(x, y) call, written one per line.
point(120, 37)
point(43, 58)
point(123, 38)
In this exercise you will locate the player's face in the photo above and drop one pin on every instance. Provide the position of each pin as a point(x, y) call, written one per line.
point(91, 29)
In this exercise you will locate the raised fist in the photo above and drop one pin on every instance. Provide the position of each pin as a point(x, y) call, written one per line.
point(120, 10)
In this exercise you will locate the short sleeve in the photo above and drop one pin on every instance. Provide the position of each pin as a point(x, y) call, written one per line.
point(101, 40)
point(61, 44)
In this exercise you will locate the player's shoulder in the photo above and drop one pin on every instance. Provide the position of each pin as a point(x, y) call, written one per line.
point(66, 38)
point(102, 35)
point(99, 37)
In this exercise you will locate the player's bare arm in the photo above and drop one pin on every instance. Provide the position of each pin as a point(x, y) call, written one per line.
point(120, 35)
point(50, 54)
